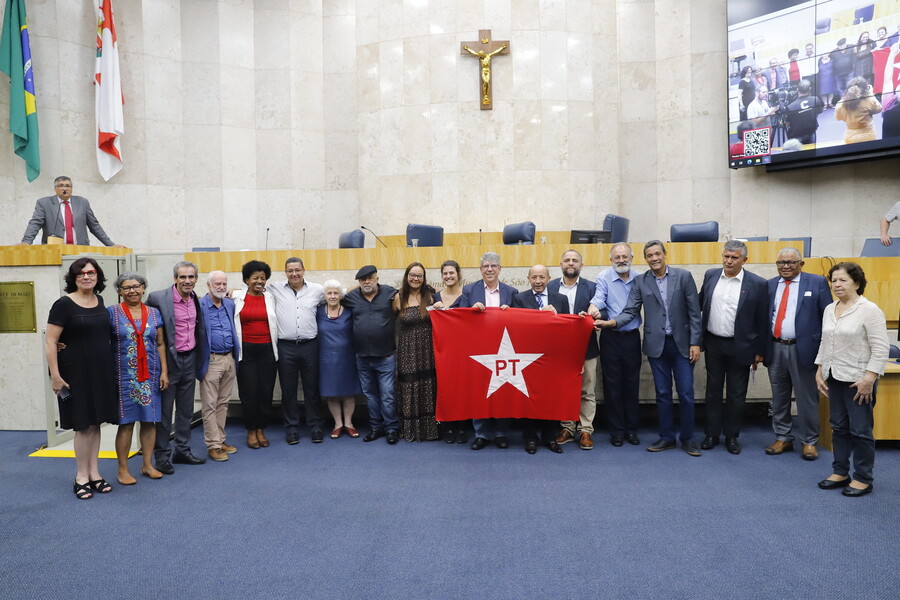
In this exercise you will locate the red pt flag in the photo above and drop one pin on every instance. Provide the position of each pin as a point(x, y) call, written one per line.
point(515, 363)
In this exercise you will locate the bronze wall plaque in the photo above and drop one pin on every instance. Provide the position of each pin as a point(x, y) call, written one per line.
point(17, 307)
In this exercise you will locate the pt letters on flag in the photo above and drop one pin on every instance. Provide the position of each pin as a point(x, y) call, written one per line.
point(515, 363)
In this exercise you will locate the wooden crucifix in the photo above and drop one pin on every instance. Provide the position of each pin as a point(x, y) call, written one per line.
point(485, 49)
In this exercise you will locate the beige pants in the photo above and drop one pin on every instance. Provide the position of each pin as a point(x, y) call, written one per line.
point(588, 399)
point(215, 392)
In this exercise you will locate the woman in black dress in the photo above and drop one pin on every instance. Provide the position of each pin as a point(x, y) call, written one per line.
point(81, 374)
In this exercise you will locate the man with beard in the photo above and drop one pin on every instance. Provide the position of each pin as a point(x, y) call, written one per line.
point(579, 292)
point(374, 323)
point(218, 383)
point(620, 349)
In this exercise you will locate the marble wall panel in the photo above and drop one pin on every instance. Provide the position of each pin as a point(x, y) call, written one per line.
point(134, 151)
point(167, 232)
point(272, 40)
point(368, 78)
point(237, 96)
point(306, 42)
point(636, 27)
point(240, 219)
point(553, 14)
point(341, 160)
point(390, 19)
point(393, 153)
point(272, 107)
point(498, 152)
point(554, 65)
point(498, 15)
point(707, 90)
point(307, 100)
point(673, 91)
point(162, 28)
point(275, 219)
point(674, 165)
point(391, 76)
point(675, 205)
point(709, 146)
point(331, 8)
point(526, 68)
point(606, 67)
point(604, 18)
point(526, 15)
point(637, 151)
point(470, 17)
point(444, 137)
point(274, 164)
point(370, 151)
point(202, 156)
point(239, 157)
point(416, 20)
point(639, 203)
point(444, 203)
point(203, 222)
point(417, 72)
point(637, 92)
point(367, 29)
point(584, 211)
point(580, 66)
point(554, 135)
point(165, 153)
point(162, 83)
point(711, 203)
point(582, 136)
point(309, 220)
point(199, 31)
point(77, 157)
point(341, 112)
point(129, 20)
point(443, 56)
point(579, 17)
point(473, 195)
point(236, 35)
point(673, 38)
point(339, 55)
point(341, 208)
point(528, 116)
point(200, 98)
point(76, 68)
point(708, 27)
point(131, 67)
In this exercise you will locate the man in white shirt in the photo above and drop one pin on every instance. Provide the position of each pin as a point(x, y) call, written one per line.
point(735, 327)
point(296, 301)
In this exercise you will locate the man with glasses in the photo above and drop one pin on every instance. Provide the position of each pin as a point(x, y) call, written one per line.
point(490, 292)
point(187, 355)
point(66, 217)
point(796, 301)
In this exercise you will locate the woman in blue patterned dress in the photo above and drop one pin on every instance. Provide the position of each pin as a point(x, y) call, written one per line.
point(139, 350)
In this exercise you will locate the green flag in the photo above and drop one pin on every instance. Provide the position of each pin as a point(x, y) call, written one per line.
point(15, 61)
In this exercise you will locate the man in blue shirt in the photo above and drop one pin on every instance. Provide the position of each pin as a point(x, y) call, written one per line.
point(217, 385)
point(620, 349)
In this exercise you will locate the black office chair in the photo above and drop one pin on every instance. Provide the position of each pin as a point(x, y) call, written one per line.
point(617, 227)
point(519, 233)
point(708, 231)
point(428, 235)
point(352, 239)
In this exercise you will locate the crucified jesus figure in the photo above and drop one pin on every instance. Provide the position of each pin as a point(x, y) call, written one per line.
point(485, 59)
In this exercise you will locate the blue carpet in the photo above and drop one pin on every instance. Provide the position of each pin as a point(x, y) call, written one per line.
point(344, 519)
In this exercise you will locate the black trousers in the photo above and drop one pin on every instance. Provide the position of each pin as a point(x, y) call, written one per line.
point(620, 366)
point(724, 415)
point(256, 383)
point(300, 361)
point(532, 427)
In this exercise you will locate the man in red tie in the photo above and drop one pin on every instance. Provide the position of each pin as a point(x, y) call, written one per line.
point(796, 303)
point(65, 216)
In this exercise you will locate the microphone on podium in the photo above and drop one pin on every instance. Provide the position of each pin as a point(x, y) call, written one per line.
point(479, 236)
point(267, 238)
point(373, 233)
point(304, 238)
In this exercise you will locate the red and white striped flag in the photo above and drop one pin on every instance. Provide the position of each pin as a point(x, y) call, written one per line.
point(108, 97)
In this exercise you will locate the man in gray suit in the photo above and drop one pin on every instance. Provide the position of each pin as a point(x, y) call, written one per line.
point(50, 216)
point(672, 337)
point(187, 355)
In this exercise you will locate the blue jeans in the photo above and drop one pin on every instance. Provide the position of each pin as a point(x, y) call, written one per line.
point(672, 364)
point(851, 426)
point(490, 428)
point(376, 378)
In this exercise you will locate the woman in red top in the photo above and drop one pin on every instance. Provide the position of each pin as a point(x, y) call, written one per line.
point(254, 322)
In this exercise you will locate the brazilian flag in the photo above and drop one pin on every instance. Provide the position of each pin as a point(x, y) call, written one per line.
point(15, 61)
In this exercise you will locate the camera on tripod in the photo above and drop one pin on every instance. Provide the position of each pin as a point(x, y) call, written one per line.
point(781, 98)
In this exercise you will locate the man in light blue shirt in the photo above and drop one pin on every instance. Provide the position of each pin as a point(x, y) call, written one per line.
point(620, 349)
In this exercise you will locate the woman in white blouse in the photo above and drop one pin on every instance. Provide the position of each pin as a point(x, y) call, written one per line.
point(852, 355)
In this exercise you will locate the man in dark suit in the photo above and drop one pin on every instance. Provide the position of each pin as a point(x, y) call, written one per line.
point(735, 319)
point(489, 292)
point(217, 384)
point(672, 338)
point(578, 293)
point(187, 355)
point(540, 298)
point(50, 216)
point(796, 302)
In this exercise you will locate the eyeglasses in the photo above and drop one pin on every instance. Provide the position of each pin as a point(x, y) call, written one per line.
point(414, 276)
point(131, 288)
point(87, 274)
point(787, 263)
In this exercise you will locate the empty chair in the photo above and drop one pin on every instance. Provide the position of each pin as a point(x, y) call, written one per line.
point(758, 238)
point(617, 227)
point(519, 233)
point(873, 247)
point(864, 14)
point(807, 243)
point(823, 25)
point(428, 235)
point(352, 239)
point(894, 352)
point(708, 231)
point(205, 249)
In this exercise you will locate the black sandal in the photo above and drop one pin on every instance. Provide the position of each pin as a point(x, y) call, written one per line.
point(82, 491)
point(100, 485)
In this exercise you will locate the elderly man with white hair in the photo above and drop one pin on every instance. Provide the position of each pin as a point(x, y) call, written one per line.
point(218, 383)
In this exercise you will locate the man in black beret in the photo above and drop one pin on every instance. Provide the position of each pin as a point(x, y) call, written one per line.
point(374, 319)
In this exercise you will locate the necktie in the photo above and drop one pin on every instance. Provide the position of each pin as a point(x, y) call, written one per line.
point(540, 300)
point(70, 223)
point(782, 308)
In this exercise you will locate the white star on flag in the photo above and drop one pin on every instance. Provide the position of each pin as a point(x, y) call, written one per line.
point(506, 366)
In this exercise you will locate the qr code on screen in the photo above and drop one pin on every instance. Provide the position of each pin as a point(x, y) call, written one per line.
point(756, 142)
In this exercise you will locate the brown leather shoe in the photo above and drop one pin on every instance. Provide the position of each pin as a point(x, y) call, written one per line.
point(228, 449)
point(584, 441)
point(252, 440)
point(261, 436)
point(565, 436)
point(780, 447)
point(810, 452)
point(217, 454)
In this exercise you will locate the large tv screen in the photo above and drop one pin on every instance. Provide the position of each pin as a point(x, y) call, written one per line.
point(812, 82)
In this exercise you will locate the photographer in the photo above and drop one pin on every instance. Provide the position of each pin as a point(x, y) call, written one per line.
point(802, 117)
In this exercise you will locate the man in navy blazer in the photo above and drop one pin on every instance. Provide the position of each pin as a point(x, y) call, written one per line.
point(187, 355)
point(539, 297)
point(217, 385)
point(49, 217)
point(672, 337)
point(793, 341)
point(578, 293)
point(489, 292)
point(735, 320)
